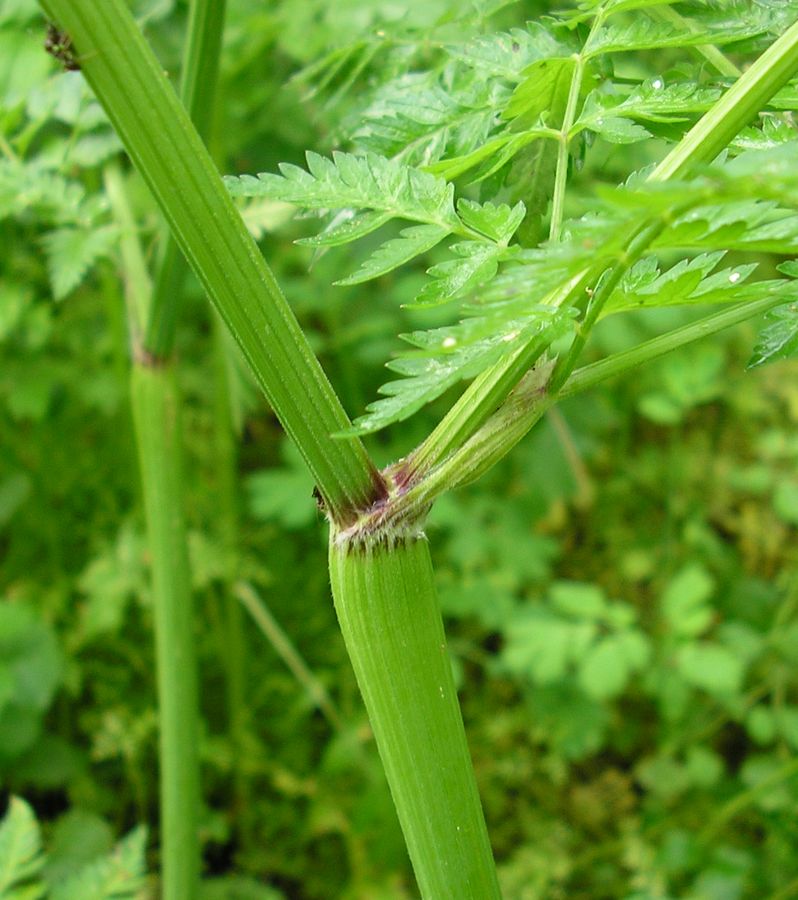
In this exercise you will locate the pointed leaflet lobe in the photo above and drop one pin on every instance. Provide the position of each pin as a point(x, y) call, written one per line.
point(451, 355)
point(393, 253)
point(357, 182)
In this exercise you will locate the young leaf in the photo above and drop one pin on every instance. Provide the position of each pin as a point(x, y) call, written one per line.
point(346, 227)
point(357, 182)
point(413, 241)
point(419, 118)
point(612, 116)
point(477, 264)
point(618, 130)
point(498, 222)
point(71, 252)
point(689, 281)
point(507, 54)
point(641, 33)
point(543, 81)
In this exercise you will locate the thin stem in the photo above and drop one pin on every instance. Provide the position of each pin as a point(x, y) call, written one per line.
point(585, 491)
point(563, 137)
point(166, 149)
point(561, 172)
point(285, 649)
point(637, 246)
point(735, 109)
point(619, 363)
point(156, 417)
point(197, 89)
point(710, 52)
point(737, 804)
point(388, 609)
point(138, 287)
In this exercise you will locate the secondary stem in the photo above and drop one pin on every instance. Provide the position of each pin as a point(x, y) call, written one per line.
point(155, 413)
point(156, 419)
point(618, 363)
point(561, 172)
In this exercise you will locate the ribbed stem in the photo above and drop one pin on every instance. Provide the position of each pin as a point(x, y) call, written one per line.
point(155, 414)
point(170, 156)
point(389, 615)
point(197, 89)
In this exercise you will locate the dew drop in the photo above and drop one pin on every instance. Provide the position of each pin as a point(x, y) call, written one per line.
point(449, 342)
point(657, 84)
point(510, 336)
point(734, 277)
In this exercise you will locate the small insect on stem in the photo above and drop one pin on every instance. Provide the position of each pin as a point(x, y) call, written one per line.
point(59, 44)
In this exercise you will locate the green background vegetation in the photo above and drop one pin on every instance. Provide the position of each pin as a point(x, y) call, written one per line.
point(621, 593)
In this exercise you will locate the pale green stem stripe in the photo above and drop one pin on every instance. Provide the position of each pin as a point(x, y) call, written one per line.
point(166, 149)
point(137, 284)
point(388, 609)
point(561, 172)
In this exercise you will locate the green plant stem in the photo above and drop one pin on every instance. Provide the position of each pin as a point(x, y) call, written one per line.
point(619, 363)
point(710, 52)
point(166, 150)
point(137, 284)
point(197, 88)
point(285, 649)
point(736, 108)
point(388, 610)
point(563, 136)
point(156, 419)
point(155, 414)
point(561, 171)
point(164, 146)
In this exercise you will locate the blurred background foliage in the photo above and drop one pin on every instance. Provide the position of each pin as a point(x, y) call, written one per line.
point(621, 594)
